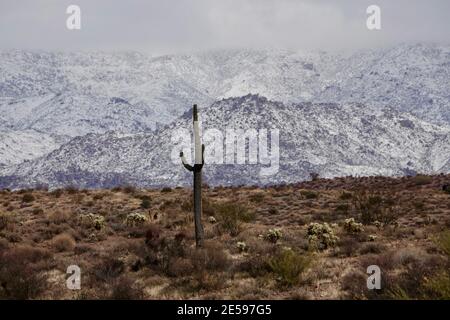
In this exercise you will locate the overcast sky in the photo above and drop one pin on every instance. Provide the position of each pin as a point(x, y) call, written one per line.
point(172, 26)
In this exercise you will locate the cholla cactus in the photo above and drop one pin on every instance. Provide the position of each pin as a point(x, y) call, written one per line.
point(353, 227)
point(321, 236)
point(242, 246)
point(134, 219)
point(211, 219)
point(273, 235)
point(199, 150)
point(92, 220)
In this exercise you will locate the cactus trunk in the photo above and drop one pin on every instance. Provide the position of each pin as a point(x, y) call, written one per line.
point(198, 208)
point(197, 171)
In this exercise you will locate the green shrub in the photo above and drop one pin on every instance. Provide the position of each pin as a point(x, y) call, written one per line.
point(421, 180)
point(145, 204)
point(230, 216)
point(28, 197)
point(321, 236)
point(288, 266)
point(308, 194)
point(443, 241)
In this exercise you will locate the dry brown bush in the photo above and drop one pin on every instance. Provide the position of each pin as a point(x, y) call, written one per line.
point(21, 274)
point(63, 242)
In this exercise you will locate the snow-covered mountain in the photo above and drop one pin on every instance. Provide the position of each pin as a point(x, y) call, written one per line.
point(72, 93)
point(52, 101)
point(331, 139)
point(19, 146)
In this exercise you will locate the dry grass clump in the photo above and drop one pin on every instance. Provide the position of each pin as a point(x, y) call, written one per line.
point(230, 216)
point(21, 274)
point(5, 220)
point(289, 265)
point(64, 242)
point(124, 288)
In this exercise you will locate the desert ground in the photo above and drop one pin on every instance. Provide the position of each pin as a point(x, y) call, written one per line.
point(311, 240)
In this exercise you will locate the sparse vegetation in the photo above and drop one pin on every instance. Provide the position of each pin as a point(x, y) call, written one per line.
point(289, 265)
point(307, 240)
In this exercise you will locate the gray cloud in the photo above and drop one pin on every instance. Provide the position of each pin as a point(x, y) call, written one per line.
point(164, 26)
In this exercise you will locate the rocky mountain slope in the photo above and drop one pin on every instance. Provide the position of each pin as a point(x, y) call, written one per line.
point(330, 139)
point(47, 99)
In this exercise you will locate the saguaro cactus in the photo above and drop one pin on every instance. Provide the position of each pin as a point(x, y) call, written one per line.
point(199, 150)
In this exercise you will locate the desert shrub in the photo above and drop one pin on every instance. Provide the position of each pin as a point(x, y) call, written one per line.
point(153, 236)
point(314, 176)
point(98, 196)
point(91, 220)
point(354, 283)
point(56, 193)
point(374, 248)
point(273, 235)
point(443, 242)
point(145, 203)
point(206, 263)
point(376, 206)
point(166, 189)
point(108, 269)
point(256, 197)
point(345, 196)
point(273, 211)
point(21, 274)
point(5, 220)
point(135, 219)
point(421, 180)
point(169, 250)
point(308, 194)
point(27, 198)
point(353, 227)
point(230, 216)
point(255, 265)
point(37, 211)
point(63, 242)
point(129, 189)
point(446, 188)
point(342, 208)
point(321, 236)
point(438, 286)
point(71, 190)
point(211, 258)
point(58, 217)
point(125, 288)
point(347, 247)
point(288, 266)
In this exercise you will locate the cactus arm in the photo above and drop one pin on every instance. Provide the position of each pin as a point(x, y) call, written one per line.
point(185, 164)
point(203, 155)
